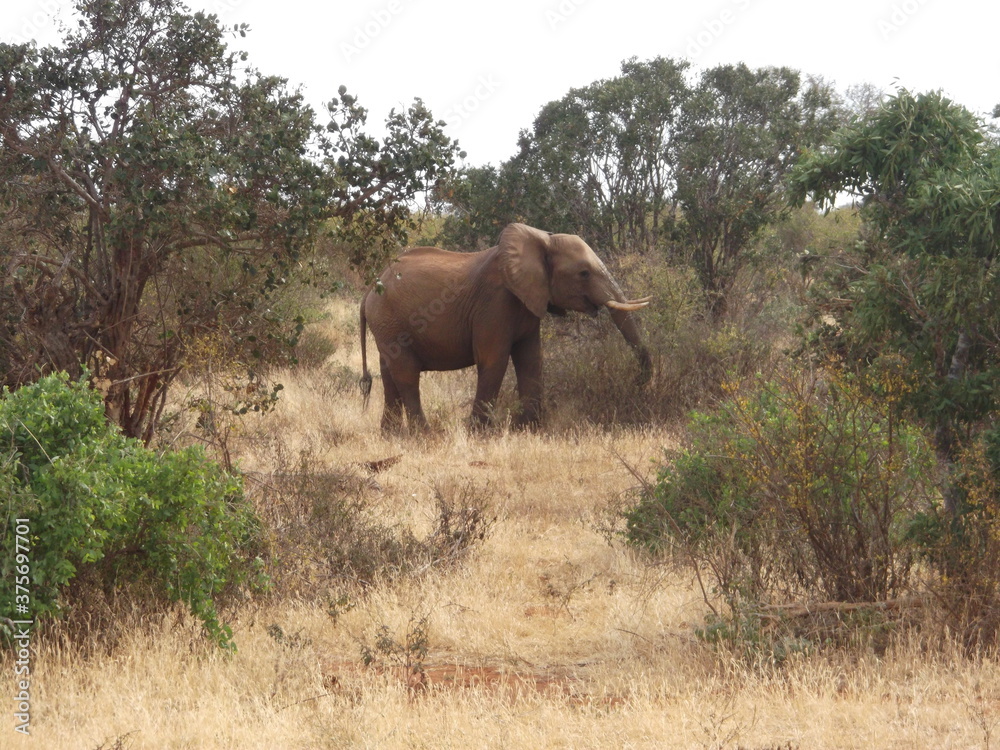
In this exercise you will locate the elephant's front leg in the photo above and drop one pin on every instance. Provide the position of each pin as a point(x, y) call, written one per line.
point(491, 370)
point(527, 357)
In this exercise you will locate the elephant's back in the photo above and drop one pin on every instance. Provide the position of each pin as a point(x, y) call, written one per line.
point(419, 280)
point(425, 270)
point(421, 304)
point(434, 260)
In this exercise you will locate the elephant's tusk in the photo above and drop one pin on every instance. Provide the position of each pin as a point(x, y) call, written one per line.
point(629, 306)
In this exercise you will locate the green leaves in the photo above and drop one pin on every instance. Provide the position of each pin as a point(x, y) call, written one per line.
point(925, 286)
point(374, 182)
point(105, 508)
point(604, 156)
point(740, 133)
point(915, 154)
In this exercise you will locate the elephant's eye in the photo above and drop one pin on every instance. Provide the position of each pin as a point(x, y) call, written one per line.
point(584, 274)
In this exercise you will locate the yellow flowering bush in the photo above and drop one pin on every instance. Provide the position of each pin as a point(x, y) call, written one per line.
point(797, 489)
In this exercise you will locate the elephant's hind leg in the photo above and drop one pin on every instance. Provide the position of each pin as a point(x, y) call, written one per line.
point(392, 414)
point(405, 375)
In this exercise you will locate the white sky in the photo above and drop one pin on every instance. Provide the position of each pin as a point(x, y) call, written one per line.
point(488, 69)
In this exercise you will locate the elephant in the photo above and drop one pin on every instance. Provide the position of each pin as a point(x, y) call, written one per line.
point(434, 309)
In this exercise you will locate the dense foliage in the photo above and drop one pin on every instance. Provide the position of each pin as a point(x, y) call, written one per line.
point(105, 512)
point(833, 491)
point(654, 159)
point(151, 192)
point(924, 287)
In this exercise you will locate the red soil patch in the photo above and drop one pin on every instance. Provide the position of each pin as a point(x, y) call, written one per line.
point(512, 685)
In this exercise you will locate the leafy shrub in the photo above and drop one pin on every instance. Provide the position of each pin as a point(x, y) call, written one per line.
point(408, 653)
point(803, 488)
point(105, 510)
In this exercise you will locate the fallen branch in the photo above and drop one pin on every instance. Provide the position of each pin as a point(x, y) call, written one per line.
point(788, 611)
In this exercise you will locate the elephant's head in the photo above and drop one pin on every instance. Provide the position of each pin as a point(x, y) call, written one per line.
point(561, 271)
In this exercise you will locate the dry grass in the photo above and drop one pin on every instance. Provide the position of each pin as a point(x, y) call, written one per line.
point(546, 636)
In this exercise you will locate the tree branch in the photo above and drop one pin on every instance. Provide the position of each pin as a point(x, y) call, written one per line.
point(63, 176)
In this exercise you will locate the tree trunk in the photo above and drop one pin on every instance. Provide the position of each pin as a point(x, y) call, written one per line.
point(944, 435)
point(133, 396)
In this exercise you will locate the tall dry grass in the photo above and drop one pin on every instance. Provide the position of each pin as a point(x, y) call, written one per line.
point(545, 635)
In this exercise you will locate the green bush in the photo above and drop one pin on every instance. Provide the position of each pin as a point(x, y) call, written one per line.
point(105, 510)
point(801, 489)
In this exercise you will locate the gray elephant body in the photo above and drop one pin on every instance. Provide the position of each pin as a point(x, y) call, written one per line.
point(432, 309)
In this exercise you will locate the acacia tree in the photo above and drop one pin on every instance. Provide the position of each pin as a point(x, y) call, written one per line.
point(654, 159)
point(151, 192)
point(740, 132)
point(606, 153)
point(597, 162)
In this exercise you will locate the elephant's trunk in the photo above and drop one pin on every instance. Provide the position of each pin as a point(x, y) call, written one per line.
point(621, 310)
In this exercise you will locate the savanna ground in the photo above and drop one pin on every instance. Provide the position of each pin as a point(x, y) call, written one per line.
point(542, 634)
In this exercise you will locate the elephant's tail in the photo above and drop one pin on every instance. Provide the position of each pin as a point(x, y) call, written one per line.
point(366, 377)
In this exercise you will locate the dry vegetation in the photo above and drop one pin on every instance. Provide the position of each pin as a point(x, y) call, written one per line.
point(542, 635)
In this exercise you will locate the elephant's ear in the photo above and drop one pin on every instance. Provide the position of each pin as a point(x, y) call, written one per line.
point(522, 258)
